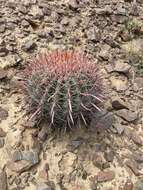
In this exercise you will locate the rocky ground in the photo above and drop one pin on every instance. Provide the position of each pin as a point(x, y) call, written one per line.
point(111, 32)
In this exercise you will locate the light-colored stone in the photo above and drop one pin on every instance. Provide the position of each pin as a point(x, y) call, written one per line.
point(134, 47)
point(19, 166)
point(67, 162)
point(121, 66)
point(119, 84)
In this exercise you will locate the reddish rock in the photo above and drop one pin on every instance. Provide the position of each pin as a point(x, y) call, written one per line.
point(2, 133)
point(3, 73)
point(105, 176)
point(19, 166)
point(44, 173)
point(133, 166)
point(128, 185)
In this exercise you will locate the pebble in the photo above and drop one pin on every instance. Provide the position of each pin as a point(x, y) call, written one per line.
point(93, 34)
point(121, 66)
point(2, 133)
point(19, 166)
point(43, 187)
point(128, 115)
point(3, 180)
point(29, 46)
point(119, 84)
point(138, 156)
point(3, 74)
point(3, 114)
point(118, 103)
point(42, 135)
point(109, 156)
point(136, 138)
point(73, 4)
point(105, 176)
point(30, 156)
point(133, 166)
point(2, 142)
point(102, 121)
point(128, 185)
point(98, 161)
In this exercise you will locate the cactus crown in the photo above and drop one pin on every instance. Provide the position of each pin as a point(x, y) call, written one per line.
point(63, 87)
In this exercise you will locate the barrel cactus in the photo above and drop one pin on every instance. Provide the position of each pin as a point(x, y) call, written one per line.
point(63, 87)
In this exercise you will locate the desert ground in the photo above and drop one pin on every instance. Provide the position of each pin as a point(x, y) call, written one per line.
point(107, 155)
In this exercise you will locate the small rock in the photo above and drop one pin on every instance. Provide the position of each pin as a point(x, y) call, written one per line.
point(2, 28)
point(43, 133)
point(30, 123)
point(43, 174)
point(30, 156)
point(75, 144)
point(65, 21)
point(127, 115)
point(19, 166)
point(29, 46)
point(3, 180)
point(48, 34)
point(121, 10)
point(2, 133)
point(73, 4)
point(134, 9)
point(138, 156)
point(109, 156)
point(98, 161)
point(105, 176)
point(2, 142)
point(3, 50)
point(93, 34)
point(121, 66)
point(134, 47)
point(103, 121)
point(104, 53)
point(119, 84)
point(136, 138)
point(109, 68)
point(3, 114)
point(128, 185)
point(25, 23)
point(46, 10)
point(3, 73)
point(104, 11)
point(44, 186)
point(133, 166)
point(118, 103)
point(10, 61)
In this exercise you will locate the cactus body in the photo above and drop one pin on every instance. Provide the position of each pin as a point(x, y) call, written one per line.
point(63, 87)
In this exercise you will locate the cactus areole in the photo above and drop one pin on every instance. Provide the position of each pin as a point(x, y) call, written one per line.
point(63, 87)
